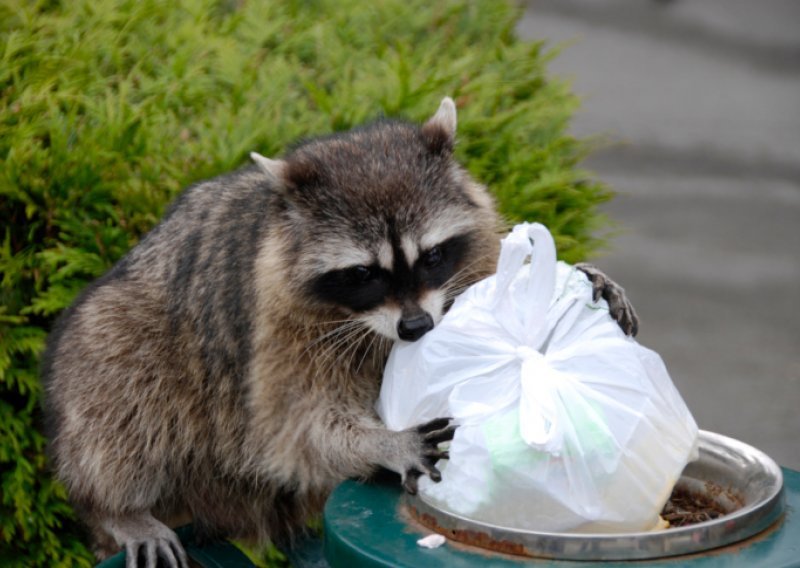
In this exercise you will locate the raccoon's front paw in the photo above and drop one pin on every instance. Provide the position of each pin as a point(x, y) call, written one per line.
point(421, 449)
point(619, 306)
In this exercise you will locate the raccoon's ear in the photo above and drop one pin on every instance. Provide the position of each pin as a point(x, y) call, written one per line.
point(439, 132)
point(276, 169)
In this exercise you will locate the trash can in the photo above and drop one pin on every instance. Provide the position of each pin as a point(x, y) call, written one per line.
point(375, 524)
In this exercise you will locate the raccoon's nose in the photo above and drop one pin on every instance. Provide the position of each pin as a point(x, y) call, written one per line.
point(411, 329)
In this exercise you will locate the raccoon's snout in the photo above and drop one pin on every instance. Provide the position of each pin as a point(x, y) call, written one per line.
point(412, 328)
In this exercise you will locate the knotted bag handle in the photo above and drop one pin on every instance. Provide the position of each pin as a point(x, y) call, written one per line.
point(521, 307)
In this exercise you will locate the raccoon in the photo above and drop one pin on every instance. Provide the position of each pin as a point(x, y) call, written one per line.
point(225, 370)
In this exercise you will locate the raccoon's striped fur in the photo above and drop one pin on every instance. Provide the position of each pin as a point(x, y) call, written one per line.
point(227, 367)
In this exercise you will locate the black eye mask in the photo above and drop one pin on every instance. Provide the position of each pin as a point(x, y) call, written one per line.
point(361, 288)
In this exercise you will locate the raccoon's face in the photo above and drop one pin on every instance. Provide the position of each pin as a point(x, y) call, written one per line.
point(387, 227)
point(402, 286)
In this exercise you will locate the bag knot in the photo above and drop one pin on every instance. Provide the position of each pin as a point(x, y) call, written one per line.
point(525, 352)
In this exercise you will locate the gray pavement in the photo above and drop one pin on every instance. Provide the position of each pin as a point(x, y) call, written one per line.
point(700, 103)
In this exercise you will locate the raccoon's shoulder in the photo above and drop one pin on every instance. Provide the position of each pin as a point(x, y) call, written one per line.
point(213, 228)
point(241, 191)
point(228, 210)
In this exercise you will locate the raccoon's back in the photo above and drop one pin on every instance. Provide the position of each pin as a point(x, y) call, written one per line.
point(197, 265)
point(162, 341)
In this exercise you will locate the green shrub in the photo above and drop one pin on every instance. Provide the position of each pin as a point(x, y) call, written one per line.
point(108, 108)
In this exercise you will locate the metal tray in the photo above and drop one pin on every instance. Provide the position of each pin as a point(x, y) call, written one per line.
point(742, 479)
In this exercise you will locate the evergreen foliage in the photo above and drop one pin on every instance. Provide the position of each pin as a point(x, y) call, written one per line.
point(108, 108)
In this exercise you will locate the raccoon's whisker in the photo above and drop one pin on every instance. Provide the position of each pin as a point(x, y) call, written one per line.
point(381, 352)
point(342, 329)
point(328, 322)
point(322, 355)
point(364, 355)
point(338, 340)
point(360, 341)
point(370, 350)
point(462, 279)
point(454, 289)
point(376, 352)
point(466, 273)
point(333, 352)
point(343, 325)
point(347, 325)
point(352, 350)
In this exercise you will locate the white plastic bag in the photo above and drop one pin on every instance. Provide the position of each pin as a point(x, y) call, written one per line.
point(565, 423)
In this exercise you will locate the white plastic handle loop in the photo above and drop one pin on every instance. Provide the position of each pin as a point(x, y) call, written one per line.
point(528, 304)
point(542, 276)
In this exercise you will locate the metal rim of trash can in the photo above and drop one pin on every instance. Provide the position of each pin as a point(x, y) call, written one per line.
point(738, 468)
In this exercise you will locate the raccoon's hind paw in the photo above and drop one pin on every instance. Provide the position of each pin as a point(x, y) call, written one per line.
point(619, 306)
point(428, 436)
point(145, 554)
point(146, 540)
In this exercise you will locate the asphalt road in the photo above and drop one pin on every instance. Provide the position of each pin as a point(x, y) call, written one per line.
point(700, 104)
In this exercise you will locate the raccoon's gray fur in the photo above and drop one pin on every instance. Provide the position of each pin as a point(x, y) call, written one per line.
point(225, 370)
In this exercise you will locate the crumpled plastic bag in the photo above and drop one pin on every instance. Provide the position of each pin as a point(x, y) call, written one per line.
point(565, 423)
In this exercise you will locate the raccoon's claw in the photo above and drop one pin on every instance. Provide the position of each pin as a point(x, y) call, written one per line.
point(146, 540)
point(435, 424)
point(146, 554)
point(412, 476)
point(619, 306)
point(410, 481)
point(429, 436)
